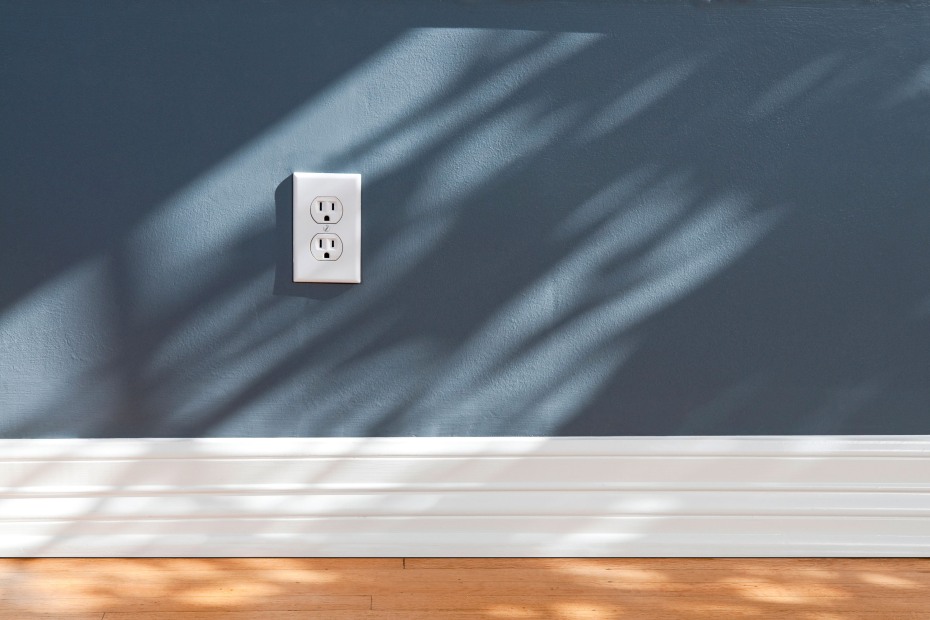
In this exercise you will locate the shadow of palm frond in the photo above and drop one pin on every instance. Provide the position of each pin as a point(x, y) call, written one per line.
point(598, 221)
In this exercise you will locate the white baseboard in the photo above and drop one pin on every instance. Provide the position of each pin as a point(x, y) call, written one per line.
point(454, 496)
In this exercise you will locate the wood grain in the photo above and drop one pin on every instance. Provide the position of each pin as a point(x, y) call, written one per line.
point(466, 589)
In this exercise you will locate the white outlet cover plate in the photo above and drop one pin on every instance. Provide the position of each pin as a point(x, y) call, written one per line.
point(348, 188)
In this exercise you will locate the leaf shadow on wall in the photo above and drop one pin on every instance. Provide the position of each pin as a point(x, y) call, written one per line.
point(605, 220)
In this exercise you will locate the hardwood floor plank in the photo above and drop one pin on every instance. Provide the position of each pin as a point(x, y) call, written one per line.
point(461, 581)
point(40, 615)
point(684, 606)
point(729, 564)
point(174, 603)
point(464, 589)
point(300, 615)
point(461, 615)
point(221, 572)
point(196, 564)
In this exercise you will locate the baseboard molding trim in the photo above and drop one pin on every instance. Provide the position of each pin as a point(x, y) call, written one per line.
point(858, 496)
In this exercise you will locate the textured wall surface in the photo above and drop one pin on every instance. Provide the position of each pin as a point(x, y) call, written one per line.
point(580, 218)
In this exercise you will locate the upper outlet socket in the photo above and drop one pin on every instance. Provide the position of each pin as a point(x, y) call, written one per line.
point(326, 210)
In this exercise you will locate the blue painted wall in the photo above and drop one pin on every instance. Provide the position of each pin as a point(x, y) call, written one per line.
point(580, 218)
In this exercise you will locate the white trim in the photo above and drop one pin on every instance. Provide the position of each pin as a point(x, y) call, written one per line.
point(461, 496)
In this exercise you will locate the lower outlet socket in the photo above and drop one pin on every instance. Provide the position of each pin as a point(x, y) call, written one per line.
point(326, 247)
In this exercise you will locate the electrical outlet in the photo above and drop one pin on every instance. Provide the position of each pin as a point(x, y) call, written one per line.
point(327, 227)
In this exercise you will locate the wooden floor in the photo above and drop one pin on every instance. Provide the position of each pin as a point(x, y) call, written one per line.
point(443, 589)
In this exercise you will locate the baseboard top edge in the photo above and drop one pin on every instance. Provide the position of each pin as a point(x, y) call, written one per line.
point(524, 447)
